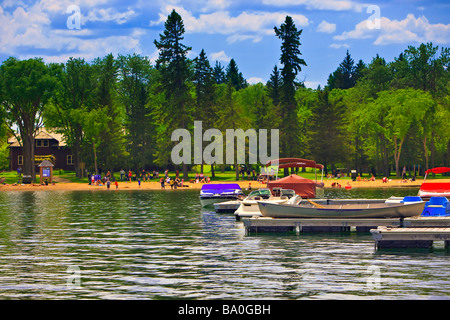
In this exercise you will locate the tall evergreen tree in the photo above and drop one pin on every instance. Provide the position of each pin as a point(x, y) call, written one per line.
point(234, 76)
point(344, 76)
point(360, 69)
point(109, 145)
point(205, 94)
point(273, 86)
point(219, 74)
point(292, 65)
point(174, 68)
point(135, 76)
point(328, 150)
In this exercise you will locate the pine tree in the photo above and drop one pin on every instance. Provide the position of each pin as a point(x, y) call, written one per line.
point(292, 65)
point(273, 86)
point(175, 73)
point(219, 74)
point(344, 76)
point(234, 76)
point(136, 75)
point(205, 94)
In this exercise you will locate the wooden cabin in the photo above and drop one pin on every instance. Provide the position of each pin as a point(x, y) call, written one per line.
point(48, 146)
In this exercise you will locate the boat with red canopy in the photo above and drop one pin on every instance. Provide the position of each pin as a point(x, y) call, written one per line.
point(303, 187)
point(435, 189)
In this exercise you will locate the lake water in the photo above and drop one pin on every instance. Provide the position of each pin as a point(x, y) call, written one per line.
point(163, 245)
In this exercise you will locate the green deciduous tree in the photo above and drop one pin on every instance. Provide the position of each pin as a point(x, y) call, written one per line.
point(25, 89)
point(69, 103)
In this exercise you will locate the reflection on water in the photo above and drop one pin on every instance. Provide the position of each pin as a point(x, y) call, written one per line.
point(162, 244)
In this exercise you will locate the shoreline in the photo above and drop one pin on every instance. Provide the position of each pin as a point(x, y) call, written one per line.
point(153, 185)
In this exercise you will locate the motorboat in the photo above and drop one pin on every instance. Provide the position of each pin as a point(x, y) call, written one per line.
point(213, 193)
point(341, 208)
point(435, 189)
point(249, 206)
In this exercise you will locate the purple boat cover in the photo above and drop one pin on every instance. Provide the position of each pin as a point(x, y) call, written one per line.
point(220, 188)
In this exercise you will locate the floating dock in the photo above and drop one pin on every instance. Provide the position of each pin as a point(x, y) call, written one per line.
point(266, 224)
point(387, 233)
point(386, 237)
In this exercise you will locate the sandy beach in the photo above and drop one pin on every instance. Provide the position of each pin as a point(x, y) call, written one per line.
point(69, 186)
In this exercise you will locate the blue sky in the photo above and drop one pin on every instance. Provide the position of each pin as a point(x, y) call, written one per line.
point(225, 29)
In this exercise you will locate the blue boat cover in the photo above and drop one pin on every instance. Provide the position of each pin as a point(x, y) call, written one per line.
point(220, 188)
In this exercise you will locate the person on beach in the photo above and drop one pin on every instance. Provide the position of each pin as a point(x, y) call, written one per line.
point(117, 185)
point(129, 175)
point(139, 182)
point(108, 183)
point(162, 183)
point(122, 174)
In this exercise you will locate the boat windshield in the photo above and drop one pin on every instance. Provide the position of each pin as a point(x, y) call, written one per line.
point(263, 193)
point(287, 192)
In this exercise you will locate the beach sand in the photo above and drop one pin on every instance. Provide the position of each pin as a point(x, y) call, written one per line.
point(69, 186)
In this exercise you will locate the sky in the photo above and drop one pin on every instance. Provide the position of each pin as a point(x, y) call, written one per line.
point(56, 30)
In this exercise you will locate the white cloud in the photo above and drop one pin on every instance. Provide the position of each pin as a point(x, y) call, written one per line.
point(410, 29)
point(339, 45)
point(109, 14)
point(326, 27)
point(312, 84)
point(255, 80)
point(212, 5)
point(27, 30)
point(220, 56)
point(335, 5)
point(255, 24)
point(242, 37)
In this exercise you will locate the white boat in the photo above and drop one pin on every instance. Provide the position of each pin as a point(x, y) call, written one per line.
point(249, 206)
point(342, 209)
point(213, 193)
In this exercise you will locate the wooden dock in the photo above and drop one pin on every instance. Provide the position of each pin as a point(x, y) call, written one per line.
point(386, 237)
point(418, 232)
point(265, 224)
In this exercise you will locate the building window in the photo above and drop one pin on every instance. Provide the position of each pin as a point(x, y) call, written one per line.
point(69, 159)
point(41, 143)
point(20, 160)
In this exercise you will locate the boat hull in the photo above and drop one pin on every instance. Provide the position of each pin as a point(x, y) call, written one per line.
point(250, 208)
point(370, 210)
point(210, 200)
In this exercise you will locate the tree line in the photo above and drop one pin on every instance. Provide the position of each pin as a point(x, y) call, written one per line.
point(120, 111)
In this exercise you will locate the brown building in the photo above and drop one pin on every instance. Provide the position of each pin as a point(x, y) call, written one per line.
point(48, 146)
